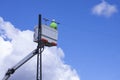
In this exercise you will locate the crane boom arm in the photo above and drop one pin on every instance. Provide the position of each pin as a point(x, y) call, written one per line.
point(19, 64)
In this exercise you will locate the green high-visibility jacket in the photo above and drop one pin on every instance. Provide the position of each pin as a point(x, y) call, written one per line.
point(53, 25)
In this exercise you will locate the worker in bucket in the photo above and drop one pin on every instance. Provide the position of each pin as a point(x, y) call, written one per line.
point(53, 24)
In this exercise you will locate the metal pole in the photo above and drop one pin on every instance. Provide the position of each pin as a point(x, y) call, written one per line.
point(39, 55)
point(40, 64)
point(40, 33)
point(37, 76)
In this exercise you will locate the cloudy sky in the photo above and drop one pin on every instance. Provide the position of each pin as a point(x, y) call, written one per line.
point(88, 45)
point(16, 44)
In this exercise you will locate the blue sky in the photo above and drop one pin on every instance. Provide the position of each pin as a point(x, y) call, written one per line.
point(90, 41)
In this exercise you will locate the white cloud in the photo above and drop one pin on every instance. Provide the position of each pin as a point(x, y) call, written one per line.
point(16, 44)
point(104, 9)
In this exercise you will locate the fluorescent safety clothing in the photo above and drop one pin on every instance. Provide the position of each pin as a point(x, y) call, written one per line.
point(53, 25)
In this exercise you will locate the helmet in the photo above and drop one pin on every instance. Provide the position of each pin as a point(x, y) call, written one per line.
point(53, 20)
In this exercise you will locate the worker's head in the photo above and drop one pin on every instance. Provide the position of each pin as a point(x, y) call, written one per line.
point(53, 20)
